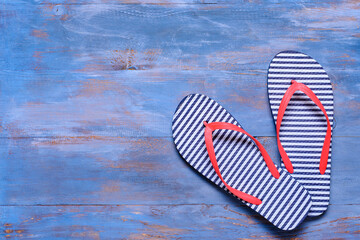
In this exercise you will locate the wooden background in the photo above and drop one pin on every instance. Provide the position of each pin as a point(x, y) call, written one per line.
point(88, 90)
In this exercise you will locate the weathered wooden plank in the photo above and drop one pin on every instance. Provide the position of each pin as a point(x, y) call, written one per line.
point(167, 2)
point(111, 170)
point(142, 103)
point(232, 38)
point(167, 222)
point(122, 2)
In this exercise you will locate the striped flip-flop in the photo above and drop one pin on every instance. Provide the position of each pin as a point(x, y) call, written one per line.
point(213, 143)
point(301, 101)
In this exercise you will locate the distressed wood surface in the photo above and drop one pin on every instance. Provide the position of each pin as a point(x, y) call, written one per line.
point(141, 103)
point(87, 93)
point(203, 221)
point(115, 170)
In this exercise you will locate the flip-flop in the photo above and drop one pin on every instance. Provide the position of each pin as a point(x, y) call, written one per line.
point(214, 143)
point(301, 99)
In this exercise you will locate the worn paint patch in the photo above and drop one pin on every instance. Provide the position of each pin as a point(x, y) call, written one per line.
point(251, 101)
point(38, 60)
point(10, 232)
point(131, 59)
point(99, 87)
point(67, 140)
point(155, 231)
point(39, 33)
point(52, 11)
point(344, 60)
point(338, 18)
point(227, 60)
point(123, 59)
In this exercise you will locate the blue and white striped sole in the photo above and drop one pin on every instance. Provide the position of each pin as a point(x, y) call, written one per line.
point(285, 202)
point(303, 127)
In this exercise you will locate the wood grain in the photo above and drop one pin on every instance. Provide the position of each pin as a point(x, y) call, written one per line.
point(203, 221)
point(54, 66)
point(230, 38)
point(87, 93)
point(142, 103)
point(113, 170)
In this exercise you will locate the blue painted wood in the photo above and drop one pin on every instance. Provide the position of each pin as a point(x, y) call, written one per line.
point(200, 36)
point(87, 93)
point(199, 221)
point(114, 170)
point(204, 221)
point(72, 65)
point(141, 103)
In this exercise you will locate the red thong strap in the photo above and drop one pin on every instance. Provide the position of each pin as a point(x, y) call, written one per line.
point(209, 128)
point(295, 86)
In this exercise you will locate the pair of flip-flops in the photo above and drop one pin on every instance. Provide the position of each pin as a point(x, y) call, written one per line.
point(301, 99)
